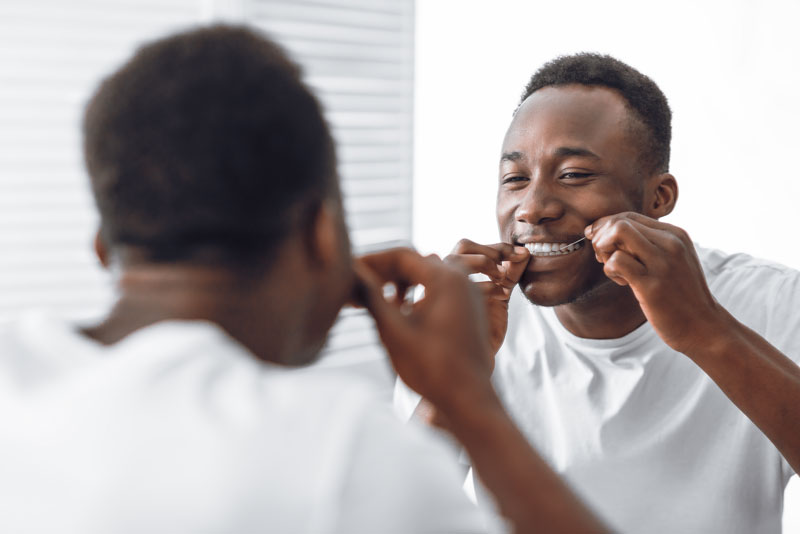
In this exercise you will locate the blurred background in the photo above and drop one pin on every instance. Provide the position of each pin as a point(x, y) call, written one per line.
point(419, 95)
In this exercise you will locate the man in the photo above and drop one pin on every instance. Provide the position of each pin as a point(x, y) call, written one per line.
point(639, 370)
point(184, 409)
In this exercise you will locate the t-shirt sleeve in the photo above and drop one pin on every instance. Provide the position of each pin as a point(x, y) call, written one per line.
point(400, 479)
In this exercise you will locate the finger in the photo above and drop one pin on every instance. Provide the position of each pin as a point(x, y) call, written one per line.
point(477, 263)
point(401, 266)
point(491, 290)
point(387, 316)
point(625, 235)
point(624, 269)
point(497, 251)
point(639, 218)
point(668, 238)
point(645, 220)
point(406, 293)
point(671, 239)
point(514, 269)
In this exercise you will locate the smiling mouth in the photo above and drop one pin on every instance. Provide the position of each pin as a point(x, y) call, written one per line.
point(553, 249)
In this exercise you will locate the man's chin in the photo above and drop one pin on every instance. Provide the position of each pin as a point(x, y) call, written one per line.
point(544, 296)
point(550, 297)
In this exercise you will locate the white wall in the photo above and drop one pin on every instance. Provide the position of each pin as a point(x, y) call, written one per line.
point(730, 70)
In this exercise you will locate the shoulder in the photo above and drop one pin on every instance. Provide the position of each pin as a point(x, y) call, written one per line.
point(37, 345)
point(351, 449)
point(721, 265)
point(762, 294)
point(741, 278)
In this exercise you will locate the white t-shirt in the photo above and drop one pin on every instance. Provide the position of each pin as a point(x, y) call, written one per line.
point(641, 433)
point(177, 428)
point(637, 429)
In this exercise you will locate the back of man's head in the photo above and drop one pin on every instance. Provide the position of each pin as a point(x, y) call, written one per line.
point(644, 99)
point(206, 140)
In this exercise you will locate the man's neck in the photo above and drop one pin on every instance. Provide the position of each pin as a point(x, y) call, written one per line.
point(607, 312)
point(150, 294)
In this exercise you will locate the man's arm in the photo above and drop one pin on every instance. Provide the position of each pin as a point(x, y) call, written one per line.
point(659, 263)
point(439, 346)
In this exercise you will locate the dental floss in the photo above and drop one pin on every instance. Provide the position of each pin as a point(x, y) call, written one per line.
point(573, 243)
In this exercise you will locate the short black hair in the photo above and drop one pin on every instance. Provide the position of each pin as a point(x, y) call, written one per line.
point(206, 139)
point(643, 97)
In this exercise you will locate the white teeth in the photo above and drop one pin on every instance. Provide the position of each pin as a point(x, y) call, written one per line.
point(552, 249)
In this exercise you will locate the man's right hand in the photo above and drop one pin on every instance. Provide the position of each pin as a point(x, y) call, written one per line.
point(439, 344)
point(503, 264)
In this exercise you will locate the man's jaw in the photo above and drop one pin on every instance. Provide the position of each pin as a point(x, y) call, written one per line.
point(582, 293)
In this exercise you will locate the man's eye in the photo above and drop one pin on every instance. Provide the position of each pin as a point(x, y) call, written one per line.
point(512, 179)
point(575, 175)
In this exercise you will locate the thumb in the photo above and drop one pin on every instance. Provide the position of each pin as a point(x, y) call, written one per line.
point(387, 316)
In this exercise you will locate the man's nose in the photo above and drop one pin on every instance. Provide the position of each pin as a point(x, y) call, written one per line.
point(540, 204)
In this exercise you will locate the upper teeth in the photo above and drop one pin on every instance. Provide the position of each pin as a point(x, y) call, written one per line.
point(552, 249)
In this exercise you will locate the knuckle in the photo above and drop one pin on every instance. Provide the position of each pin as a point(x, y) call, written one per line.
point(614, 230)
point(409, 253)
point(674, 245)
point(503, 248)
point(624, 227)
point(463, 245)
point(455, 260)
point(488, 264)
point(683, 235)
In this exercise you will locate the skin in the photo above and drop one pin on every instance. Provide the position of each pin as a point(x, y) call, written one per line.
point(571, 166)
point(300, 313)
point(438, 346)
point(567, 160)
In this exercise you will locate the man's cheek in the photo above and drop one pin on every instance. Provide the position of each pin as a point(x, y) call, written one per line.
point(505, 225)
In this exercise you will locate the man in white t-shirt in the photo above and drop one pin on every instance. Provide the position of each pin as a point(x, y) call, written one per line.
point(630, 358)
point(184, 410)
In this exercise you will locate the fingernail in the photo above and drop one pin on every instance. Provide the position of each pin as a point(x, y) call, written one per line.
point(588, 231)
point(520, 251)
point(502, 271)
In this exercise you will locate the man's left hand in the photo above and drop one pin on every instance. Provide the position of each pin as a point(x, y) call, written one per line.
point(659, 263)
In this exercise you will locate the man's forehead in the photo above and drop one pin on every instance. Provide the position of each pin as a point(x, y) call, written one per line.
point(575, 97)
point(571, 116)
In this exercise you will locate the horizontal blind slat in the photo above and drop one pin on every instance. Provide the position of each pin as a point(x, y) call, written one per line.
point(357, 54)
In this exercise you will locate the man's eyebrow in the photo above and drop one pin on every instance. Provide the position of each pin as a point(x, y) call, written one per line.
point(511, 156)
point(566, 151)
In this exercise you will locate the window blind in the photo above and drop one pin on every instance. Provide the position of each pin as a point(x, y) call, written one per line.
point(52, 55)
point(356, 54)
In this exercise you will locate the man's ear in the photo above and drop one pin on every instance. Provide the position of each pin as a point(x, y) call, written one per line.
point(101, 250)
point(325, 241)
point(660, 196)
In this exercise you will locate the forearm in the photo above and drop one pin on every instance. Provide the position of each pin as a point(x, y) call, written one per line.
point(760, 380)
point(526, 490)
